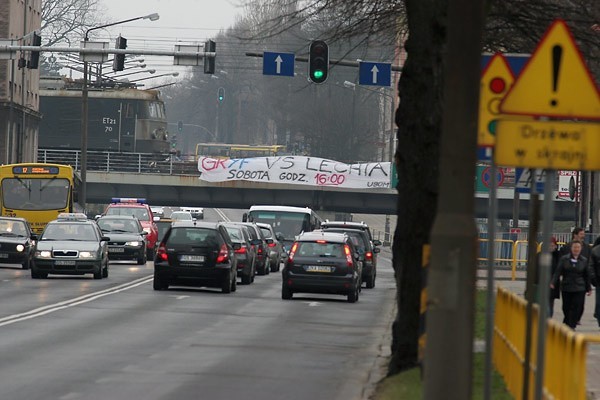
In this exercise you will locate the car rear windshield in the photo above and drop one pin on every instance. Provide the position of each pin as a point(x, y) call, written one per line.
point(184, 236)
point(357, 238)
point(235, 233)
point(138, 212)
point(266, 232)
point(320, 249)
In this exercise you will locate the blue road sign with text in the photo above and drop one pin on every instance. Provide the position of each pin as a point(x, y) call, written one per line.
point(524, 176)
point(281, 64)
point(374, 74)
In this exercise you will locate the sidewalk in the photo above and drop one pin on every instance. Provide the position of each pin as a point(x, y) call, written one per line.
point(589, 325)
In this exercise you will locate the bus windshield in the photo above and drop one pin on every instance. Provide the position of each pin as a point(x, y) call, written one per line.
point(285, 223)
point(35, 193)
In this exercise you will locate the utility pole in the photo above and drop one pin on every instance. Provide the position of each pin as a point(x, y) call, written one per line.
point(451, 281)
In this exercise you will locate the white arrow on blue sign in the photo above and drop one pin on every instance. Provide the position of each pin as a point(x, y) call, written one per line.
point(374, 74)
point(281, 64)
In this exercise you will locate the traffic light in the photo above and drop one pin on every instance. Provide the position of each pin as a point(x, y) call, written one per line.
point(34, 58)
point(221, 94)
point(209, 62)
point(318, 61)
point(119, 60)
point(180, 126)
point(496, 80)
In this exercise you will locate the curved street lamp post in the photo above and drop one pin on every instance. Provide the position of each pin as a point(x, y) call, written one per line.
point(84, 107)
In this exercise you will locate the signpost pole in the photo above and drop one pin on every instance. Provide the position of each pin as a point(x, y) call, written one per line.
point(543, 287)
point(489, 316)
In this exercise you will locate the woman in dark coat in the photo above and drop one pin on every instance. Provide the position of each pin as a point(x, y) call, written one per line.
point(575, 283)
point(554, 292)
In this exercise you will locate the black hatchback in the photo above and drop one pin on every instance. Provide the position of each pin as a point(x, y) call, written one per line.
point(320, 262)
point(196, 253)
point(16, 241)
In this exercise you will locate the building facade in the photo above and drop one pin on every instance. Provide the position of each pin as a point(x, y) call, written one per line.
point(19, 85)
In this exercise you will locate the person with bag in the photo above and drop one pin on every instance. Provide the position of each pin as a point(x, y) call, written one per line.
point(573, 275)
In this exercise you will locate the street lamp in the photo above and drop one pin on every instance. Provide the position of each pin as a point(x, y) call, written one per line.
point(84, 107)
point(154, 77)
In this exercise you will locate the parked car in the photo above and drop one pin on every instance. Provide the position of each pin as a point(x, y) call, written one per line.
point(17, 241)
point(261, 246)
point(196, 253)
point(246, 253)
point(277, 254)
point(127, 237)
point(71, 245)
point(322, 262)
point(367, 247)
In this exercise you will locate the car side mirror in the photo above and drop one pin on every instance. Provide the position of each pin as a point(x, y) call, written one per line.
point(377, 242)
point(237, 246)
point(376, 250)
point(270, 241)
point(105, 239)
point(143, 233)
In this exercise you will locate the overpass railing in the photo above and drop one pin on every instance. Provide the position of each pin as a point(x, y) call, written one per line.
point(106, 161)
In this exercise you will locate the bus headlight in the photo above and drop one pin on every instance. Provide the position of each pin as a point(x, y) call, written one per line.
point(43, 254)
point(87, 254)
point(20, 248)
point(133, 244)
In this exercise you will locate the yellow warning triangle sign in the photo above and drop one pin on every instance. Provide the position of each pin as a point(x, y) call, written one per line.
point(555, 82)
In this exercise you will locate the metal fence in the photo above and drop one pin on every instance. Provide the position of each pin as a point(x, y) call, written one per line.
point(106, 161)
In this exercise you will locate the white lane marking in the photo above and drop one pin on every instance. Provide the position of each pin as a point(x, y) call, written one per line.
point(222, 214)
point(181, 297)
point(11, 319)
point(313, 304)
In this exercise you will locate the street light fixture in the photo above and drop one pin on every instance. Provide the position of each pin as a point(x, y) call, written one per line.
point(84, 107)
point(154, 77)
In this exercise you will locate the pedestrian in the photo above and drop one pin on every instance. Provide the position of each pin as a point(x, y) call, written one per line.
point(594, 268)
point(573, 275)
point(554, 292)
point(579, 235)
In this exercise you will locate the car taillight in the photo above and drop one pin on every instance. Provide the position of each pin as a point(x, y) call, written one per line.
point(260, 250)
point(241, 250)
point(369, 256)
point(348, 254)
point(272, 245)
point(161, 253)
point(292, 252)
point(223, 254)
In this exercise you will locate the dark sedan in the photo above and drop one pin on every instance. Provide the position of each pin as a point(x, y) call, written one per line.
point(127, 237)
point(71, 245)
point(321, 262)
point(16, 241)
point(196, 253)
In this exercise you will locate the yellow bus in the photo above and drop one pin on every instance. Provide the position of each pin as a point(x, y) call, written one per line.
point(37, 192)
point(227, 150)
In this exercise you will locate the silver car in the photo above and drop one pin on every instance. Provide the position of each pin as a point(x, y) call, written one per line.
point(276, 252)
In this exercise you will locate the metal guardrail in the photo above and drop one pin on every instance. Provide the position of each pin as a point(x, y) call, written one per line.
point(566, 350)
point(106, 161)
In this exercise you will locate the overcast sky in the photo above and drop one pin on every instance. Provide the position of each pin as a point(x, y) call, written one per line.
point(189, 21)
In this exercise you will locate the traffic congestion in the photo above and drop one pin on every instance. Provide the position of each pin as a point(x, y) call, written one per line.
point(81, 337)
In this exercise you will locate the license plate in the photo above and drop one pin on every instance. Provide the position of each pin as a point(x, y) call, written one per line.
point(116, 250)
point(64, 262)
point(3, 255)
point(318, 268)
point(186, 258)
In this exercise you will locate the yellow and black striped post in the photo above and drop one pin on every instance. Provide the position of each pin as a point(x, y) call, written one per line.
point(423, 309)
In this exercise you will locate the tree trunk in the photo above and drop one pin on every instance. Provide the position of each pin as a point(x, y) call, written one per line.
point(417, 157)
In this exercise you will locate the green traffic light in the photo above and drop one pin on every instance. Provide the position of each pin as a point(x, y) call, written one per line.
point(318, 74)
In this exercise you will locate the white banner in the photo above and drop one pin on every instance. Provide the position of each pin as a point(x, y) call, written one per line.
point(567, 181)
point(299, 170)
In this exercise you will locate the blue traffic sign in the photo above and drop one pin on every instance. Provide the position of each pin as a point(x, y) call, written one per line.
point(278, 64)
point(524, 176)
point(484, 153)
point(374, 74)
